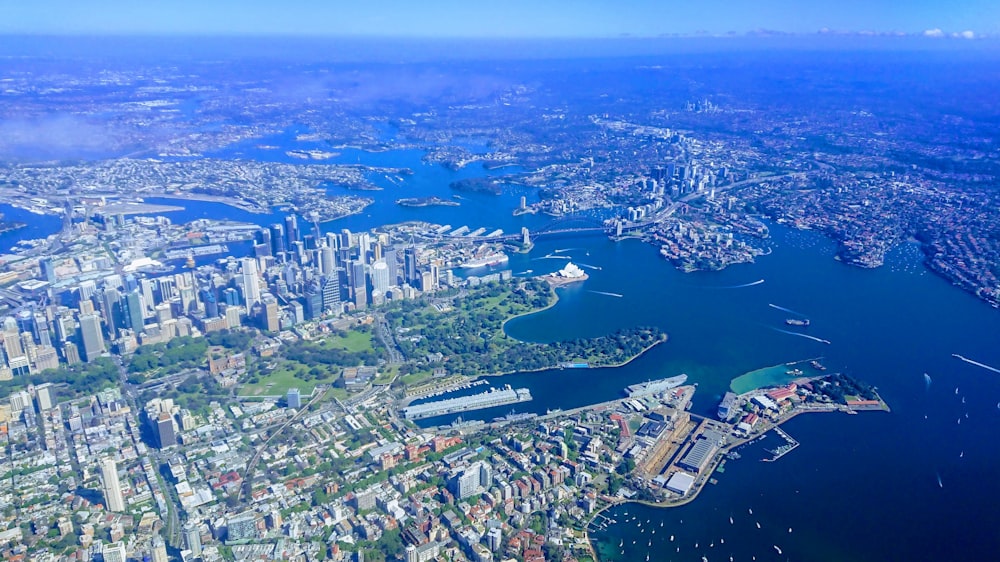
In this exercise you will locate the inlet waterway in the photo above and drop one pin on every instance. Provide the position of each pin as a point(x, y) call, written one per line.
point(918, 483)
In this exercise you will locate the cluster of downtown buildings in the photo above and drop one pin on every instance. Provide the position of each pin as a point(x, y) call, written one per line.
point(289, 279)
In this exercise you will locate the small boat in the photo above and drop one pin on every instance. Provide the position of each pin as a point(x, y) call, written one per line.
point(778, 549)
point(730, 519)
point(750, 511)
point(622, 543)
point(758, 524)
point(722, 541)
point(671, 538)
point(789, 529)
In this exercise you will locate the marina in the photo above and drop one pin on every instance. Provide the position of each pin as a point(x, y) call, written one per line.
point(788, 447)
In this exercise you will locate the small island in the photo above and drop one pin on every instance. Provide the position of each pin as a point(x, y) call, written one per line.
point(8, 226)
point(426, 202)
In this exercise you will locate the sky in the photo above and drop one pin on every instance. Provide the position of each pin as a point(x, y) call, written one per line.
point(496, 18)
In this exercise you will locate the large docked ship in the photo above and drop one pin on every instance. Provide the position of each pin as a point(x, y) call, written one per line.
point(491, 259)
point(655, 387)
point(488, 399)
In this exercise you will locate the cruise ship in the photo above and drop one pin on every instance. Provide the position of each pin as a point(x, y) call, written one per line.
point(655, 387)
point(491, 259)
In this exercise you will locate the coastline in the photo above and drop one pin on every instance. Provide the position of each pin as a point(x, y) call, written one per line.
point(720, 456)
point(554, 301)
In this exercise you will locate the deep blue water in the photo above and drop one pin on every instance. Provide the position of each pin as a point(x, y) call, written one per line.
point(862, 487)
point(37, 226)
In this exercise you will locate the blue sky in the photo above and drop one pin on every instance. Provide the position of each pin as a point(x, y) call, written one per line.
point(493, 18)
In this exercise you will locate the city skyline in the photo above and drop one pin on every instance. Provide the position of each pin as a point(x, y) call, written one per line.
point(516, 19)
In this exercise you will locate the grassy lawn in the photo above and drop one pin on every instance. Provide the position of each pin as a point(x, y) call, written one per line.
point(278, 381)
point(414, 379)
point(387, 376)
point(353, 341)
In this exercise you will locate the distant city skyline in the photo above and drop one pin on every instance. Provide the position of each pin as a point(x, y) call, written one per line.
point(511, 19)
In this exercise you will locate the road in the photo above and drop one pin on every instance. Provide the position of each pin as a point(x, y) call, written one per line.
point(172, 529)
point(248, 475)
point(384, 333)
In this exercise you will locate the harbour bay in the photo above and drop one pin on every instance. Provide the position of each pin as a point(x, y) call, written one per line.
point(915, 484)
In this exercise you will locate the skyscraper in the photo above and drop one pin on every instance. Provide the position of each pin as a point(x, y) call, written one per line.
point(277, 239)
point(114, 552)
point(131, 307)
point(240, 527)
point(192, 538)
point(410, 274)
point(45, 397)
point(165, 430)
point(159, 550)
point(294, 398)
point(93, 339)
point(392, 261)
point(112, 487)
point(263, 238)
point(291, 230)
point(380, 277)
point(251, 288)
point(327, 260)
point(270, 320)
point(48, 269)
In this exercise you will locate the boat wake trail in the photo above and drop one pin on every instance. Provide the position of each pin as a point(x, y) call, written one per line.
point(976, 363)
point(757, 282)
point(605, 293)
point(588, 266)
point(807, 336)
point(551, 257)
point(927, 381)
point(788, 310)
point(561, 250)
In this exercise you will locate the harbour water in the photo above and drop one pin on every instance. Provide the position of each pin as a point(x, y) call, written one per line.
point(915, 484)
